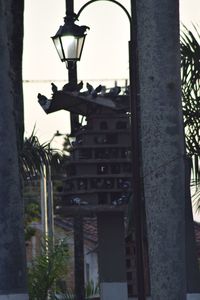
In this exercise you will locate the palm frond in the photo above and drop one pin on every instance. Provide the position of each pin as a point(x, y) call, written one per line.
point(46, 268)
point(34, 155)
point(190, 79)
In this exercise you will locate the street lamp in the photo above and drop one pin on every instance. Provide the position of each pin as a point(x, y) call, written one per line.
point(46, 186)
point(69, 40)
point(50, 201)
point(135, 124)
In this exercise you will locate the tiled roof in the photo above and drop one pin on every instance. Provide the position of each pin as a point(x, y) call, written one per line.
point(90, 227)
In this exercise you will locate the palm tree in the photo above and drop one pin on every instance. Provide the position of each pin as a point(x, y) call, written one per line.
point(34, 155)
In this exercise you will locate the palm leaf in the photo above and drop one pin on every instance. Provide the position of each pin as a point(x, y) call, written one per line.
point(34, 155)
point(46, 269)
point(190, 79)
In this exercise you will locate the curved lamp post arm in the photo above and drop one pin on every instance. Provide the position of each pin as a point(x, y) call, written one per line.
point(113, 1)
point(135, 127)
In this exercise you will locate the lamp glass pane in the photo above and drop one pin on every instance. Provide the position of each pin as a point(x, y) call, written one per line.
point(58, 46)
point(70, 47)
point(80, 46)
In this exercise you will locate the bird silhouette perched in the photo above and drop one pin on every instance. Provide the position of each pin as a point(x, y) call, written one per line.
point(121, 200)
point(95, 92)
point(79, 86)
point(103, 90)
point(68, 87)
point(44, 102)
point(54, 88)
point(42, 99)
point(114, 92)
point(89, 87)
point(98, 89)
point(84, 28)
point(78, 201)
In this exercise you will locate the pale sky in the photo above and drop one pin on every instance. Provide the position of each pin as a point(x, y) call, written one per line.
point(103, 58)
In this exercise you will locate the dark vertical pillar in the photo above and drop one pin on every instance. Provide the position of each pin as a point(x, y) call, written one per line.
point(12, 245)
point(79, 258)
point(72, 69)
point(78, 221)
point(137, 206)
point(163, 149)
point(111, 256)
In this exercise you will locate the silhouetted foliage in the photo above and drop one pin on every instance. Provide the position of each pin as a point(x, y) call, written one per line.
point(34, 155)
point(190, 78)
point(46, 269)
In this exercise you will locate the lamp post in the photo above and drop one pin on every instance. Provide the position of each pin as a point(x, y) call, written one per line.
point(69, 41)
point(134, 106)
point(50, 201)
point(46, 195)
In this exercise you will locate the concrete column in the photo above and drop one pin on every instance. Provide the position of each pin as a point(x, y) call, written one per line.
point(162, 145)
point(111, 256)
point(12, 244)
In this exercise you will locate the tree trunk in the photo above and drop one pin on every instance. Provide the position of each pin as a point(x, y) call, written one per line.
point(12, 246)
point(162, 145)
